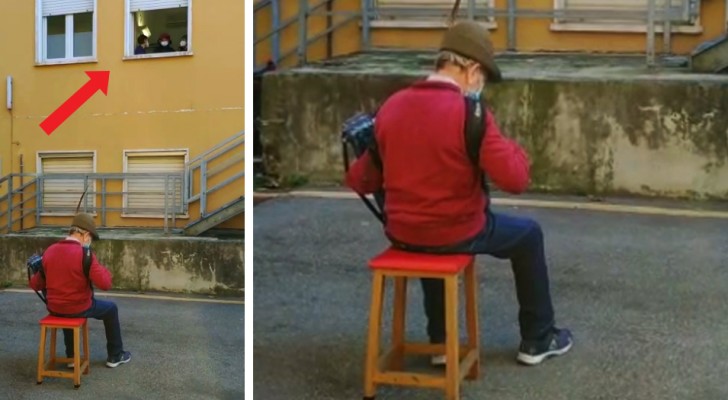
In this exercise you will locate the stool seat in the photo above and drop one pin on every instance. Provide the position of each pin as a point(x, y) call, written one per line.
point(396, 259)
point(60, 321)
point(46, 367)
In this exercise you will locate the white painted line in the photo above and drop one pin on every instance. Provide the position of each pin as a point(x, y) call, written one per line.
point(572, 205)
point(146, 296)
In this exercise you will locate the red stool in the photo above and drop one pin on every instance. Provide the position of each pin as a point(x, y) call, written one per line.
point(79, 364)
point(387, 368)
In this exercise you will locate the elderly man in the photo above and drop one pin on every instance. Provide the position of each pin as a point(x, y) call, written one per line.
point(434, 199)
point(68, 287)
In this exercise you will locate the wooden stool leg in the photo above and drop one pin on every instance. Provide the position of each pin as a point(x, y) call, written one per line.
point(452, 390)
point(471, 310)
point(52, 358)
point(41, 355)
point(375, 320)
point(76, 357)
point(86, 352)
point(398, 323)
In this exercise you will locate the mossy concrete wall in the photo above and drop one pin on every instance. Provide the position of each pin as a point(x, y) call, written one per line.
point(145, 264)
point(604, 132)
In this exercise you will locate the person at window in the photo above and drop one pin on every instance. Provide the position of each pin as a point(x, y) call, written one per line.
point(69, 292)
point(434, 201)
point(165, 44)
point(142, 45)
point(183, 43)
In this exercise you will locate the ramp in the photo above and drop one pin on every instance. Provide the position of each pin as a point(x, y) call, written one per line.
point(711, 56)
point(222, 214)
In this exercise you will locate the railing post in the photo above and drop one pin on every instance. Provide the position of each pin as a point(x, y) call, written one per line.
point(512, 25)
point(203, 188)
point(650, 33)
point(38, 199)
point(366, 24)
point(166, 210)
point(302, 31)
point(10, 204)
point(276, 40)
point(471, 10)
point(103, 201)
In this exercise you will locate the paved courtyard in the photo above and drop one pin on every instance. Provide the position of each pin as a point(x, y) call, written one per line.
point(645, 296)
point(180, 350)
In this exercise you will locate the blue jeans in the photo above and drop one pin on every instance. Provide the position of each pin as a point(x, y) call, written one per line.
point(102, 310)
point(505, 237)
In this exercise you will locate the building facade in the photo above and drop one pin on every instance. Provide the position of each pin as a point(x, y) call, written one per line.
point(176, 109)
point(618, 26)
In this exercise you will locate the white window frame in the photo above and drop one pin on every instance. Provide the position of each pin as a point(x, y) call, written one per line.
point(620, 27)
point(41, 31)
point(142, 152)
point(412, 23)
point(130, 39)
point(93, 184)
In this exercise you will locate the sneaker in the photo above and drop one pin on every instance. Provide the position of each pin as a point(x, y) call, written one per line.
point(438, 360)
point(558, 342)
point(123, 358)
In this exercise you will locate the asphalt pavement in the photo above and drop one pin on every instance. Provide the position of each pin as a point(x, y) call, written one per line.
point(645, 296)
point(180, 350)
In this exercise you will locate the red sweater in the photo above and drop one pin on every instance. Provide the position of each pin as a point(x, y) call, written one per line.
point(68, 291)
point(433, 195)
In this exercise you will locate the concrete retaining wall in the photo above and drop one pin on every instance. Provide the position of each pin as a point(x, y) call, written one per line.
point(145, 264)
point(647, 136)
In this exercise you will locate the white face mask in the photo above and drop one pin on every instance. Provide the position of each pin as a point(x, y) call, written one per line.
point(164, 43)
point(183, 43)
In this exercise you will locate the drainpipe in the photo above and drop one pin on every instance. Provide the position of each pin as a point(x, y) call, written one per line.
point(330, 34)
point(21, 192)
point(726, 16)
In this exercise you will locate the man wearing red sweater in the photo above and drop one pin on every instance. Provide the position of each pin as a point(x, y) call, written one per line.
point(434, 200)
point(68, 290)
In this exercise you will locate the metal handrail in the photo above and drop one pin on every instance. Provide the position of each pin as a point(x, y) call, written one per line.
point(201, 163)
point(172, 190)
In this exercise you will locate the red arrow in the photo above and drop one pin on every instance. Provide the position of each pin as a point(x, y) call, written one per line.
point(99, 81)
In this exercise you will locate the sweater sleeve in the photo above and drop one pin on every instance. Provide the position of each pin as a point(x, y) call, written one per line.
point(363, 176)
point(37, 282)
point(503, 160)
point(99, 275)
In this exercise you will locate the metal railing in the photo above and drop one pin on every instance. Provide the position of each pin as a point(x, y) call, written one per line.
point(669, 13)
point(222, 160)
point(22, 200)
point(26, 195)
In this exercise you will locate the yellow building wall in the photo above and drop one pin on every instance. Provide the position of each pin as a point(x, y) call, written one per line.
point(187, 102)
point(532, 34)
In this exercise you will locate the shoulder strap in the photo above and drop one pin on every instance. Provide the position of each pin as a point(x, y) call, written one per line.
point(474, 128)
point(475, 125)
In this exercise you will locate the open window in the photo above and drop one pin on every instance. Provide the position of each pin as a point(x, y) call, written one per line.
point(65, 31)
point(158, 28)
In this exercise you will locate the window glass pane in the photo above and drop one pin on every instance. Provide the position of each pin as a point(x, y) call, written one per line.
point(83, 35)
point(56, 39)
point(169, 24)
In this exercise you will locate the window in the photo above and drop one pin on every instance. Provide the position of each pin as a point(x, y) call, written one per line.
point(60, 196)
point(149, 23)
point(683, 9)
point(66, 31)
point(145, 196)
point(426, 13)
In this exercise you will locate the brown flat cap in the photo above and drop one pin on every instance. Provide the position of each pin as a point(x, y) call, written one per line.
point(472, 40)
point(86, 222)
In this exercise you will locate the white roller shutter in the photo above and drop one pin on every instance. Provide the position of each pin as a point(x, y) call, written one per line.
point(432, 4)
point(64, 7)
point(146, 5)
point(621, 5)
point(62, 195)
point(146, 195)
